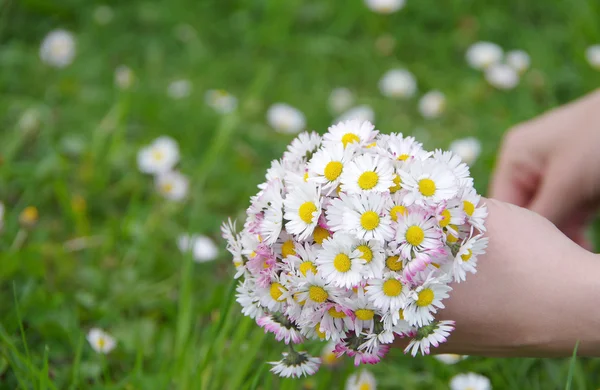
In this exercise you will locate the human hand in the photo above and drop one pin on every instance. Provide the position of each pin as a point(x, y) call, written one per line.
point(551, 165)
point(535, 292)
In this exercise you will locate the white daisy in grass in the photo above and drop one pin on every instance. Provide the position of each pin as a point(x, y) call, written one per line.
point(466, 257)
point(482, 54)
point(449, 358)
point(364, 310)
point(425, 300)
point(295, 365)
point(234, 246)
point(101, 341)
point(179, 89)
point(172, 185)
point(350, 132)
point(432, 104)
point(428, 182)
point(371, 251)
point(367, 173)
point(402, 148)
point(202, 247)
point(58, 48)
point(366, 217)
point(158, 157)
point(389, 293)
point(385, 6)
point(364, 380)
point(327, 165)
point(476, 213)
point(285, 245)
point(502, 76)
point(274, 295)
point(470, 381)
point(519, 60)
point(362, 113)
point(328, 356)
point(124, 77)
point(340, 99)
point(103, 14)
point(434, 334)
point(285, 118)
point(592, 54)
point(398, 84)
point(304, 260)
point(339, 263)
point(283, 329)
point(221, 101)
point(302, 210)
point(335, 320)
point(303, 147)
point(417, 232)
point(468, 149)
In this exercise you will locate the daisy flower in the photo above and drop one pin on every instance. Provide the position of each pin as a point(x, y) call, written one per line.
point(302, 210)
point(339, 263)
point(385, 6)
point(519, 60)
point(373, 255)
point(304, 259)
point(327, 165)
point(101, 341)
point(428, 182)
point(398, 84)
point(247, 296)
point(364, 380)
point(172, 185)
point(283, 329)
point(365, 217)
point(470, 381)
point(58, 49)
point(481, 55)
point(592, 54)
point(432, 104)
point(417, 232)
point(220, 100)
point(303, 147)
point(335, 319)
point(285, 118)
point(328, 356)
point(124, 77)
point(362, 113)
point(274, 296)
point(202, 247)
point(475, 214)
point(449, 358)
point(434, 334)
point(425, 300)
point(453, 162)
point(502, 76)
point(364, 311)
point(179, 89)
point(340, 99)
point(468, 149)
point(404, 148)
point(389, 293)
point(466, 257)
point(350, 132)
point(314, 290)
point(367, 173)
point(158, 157)
point(295, 365)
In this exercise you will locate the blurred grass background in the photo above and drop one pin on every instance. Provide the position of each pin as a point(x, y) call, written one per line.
point(174, 319)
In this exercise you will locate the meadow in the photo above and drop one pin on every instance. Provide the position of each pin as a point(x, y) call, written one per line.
point(102, 250)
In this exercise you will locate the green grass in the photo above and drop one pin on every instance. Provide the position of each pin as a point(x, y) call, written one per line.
point(176, 322)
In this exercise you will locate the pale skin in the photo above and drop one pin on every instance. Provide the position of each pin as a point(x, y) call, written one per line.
point(537, 290)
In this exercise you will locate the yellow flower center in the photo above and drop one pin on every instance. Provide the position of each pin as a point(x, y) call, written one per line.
point(320, 234)
point(277, 291)
point(237, 264)
point(318, 331)
point(167, 187)
point(425, 297)
point(365, 386)
point(397, 210)
point(101, 343)
point(29, 215)
point(392, 288)
point(317, 294)
point(467, 255)
point(364, 314)
point(469, 207)
point(305, 176)
point(403, 157)
point(445, 221)
point(427, 187)
point(393, 263)
point(401, 314)
point(342, 263)
point(367, 253)
point(333, 170)
point(307, 266)
point(415, 235)
point(369, 220)
point(371, 145)
point(329, 358)
point(450, 237)
point(306, 211)
point(287, 249)
point(158, 155)
point(397, 184)
point(349, 138)
point(368, 180)
point(336, 314)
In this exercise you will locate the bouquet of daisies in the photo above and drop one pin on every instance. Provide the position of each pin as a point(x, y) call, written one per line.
point(354, 237)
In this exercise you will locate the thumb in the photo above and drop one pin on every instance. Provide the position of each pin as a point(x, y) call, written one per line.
point(558, 196)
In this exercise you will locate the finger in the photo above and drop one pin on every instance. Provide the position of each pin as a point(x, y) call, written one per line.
point(512, 184)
